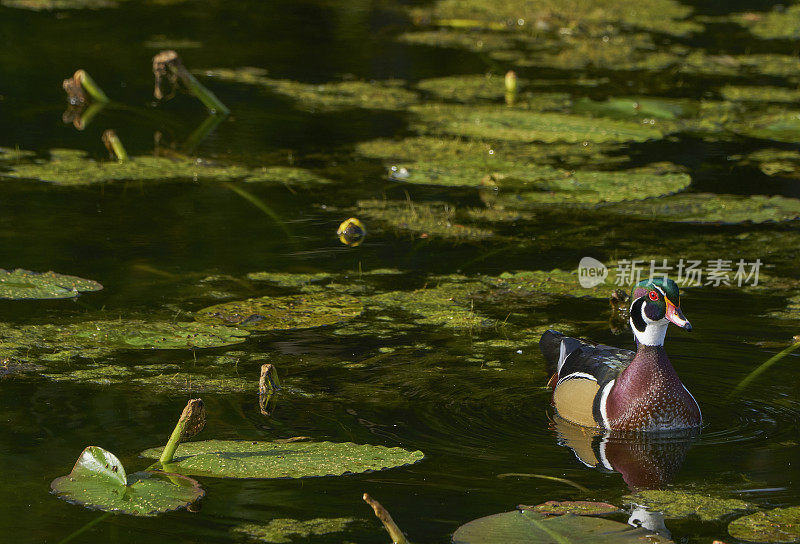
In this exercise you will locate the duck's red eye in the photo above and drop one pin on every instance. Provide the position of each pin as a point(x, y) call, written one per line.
point(653, 295)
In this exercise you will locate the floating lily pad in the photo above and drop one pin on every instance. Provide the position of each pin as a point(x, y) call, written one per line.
point(681, 504)
point(246, 459)
point(637, 107)
point(529, 527)
point(578, 508)
point(778, 525)
point(379, 95)
point(98, 481)
point(282, 531)
point(279, 313)
point(22, 284)
point(712, 208)
point(426, 219)
point(508, 124)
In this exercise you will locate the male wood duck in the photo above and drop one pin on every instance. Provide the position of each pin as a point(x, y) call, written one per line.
point(612, 388)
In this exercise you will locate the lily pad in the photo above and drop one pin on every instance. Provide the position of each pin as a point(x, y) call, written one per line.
point(24, 284)
point(507, 124)
point(280, 313)
point(578, 508)
point(529, 527)
point(246, 459)
point(380, 95)
point(283, 531)
point(778, 525)
point(681, 504)
point(98, 481)
point(712, 208)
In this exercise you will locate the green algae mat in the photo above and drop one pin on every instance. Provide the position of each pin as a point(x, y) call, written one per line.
point(246, 459)
point(23, 284)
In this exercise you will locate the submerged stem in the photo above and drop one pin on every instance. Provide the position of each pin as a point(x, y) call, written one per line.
point(763, 367)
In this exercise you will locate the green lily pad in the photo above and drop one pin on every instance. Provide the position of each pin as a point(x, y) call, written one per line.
point(98, 481)
point(529, 527)
point(681, 504)
point(712, 208)
point(283, 531)
point(23, 284)
point(636, 107)
point(578, 508)
point(380, 95)
point(425, 219)
point(280, 313)
point(508, 124)
point(778, 525)
point(246, 459)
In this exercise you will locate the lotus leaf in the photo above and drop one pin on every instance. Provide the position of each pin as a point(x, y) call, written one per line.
point(282, 531)
point(246, 459)
point(713, 208)
point(579, 508)
point(507, 124)
point(379, 95)
point(529, 527)
point(778, 525)
point(279, 313)
point(426, 219)
point(98, 481)
point(21, 284)
point(682, 504)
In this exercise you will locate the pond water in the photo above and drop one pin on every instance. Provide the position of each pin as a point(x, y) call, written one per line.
point(469, 392)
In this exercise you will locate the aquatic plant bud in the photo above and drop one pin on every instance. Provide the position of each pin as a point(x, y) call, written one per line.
point(81, 84)
point(114, 145)
point(170, 73)
point(194, 416)
point(351, 232)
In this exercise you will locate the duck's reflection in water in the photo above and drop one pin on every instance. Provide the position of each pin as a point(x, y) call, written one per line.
point(644, 460)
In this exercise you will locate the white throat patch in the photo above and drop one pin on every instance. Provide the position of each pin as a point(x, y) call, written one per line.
point(654, 332)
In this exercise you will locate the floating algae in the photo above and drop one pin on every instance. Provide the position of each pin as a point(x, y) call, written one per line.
point(73, 167)
point(23, 284)
point(552, 282)
point(509, 124)
point(314, 309)
point(290, 279)
point(777, 525)
point(744, 93)
point(378, 95)
point(424, 219)
point(775, 162)
point(781, 127)
point(285, 531)
point(712, 208)
point(776, 24)
point(681, 504)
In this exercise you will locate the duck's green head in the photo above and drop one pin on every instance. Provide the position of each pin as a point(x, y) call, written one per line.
point(655, 302)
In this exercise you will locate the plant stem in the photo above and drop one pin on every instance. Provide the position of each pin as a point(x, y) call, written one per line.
point(85, 528)
point(168, 64)
point(114, 145)
point(269, 381)
point(394, 531)
point(763, 367)
point(90, 86)
point(190, 423)
point(511, 87)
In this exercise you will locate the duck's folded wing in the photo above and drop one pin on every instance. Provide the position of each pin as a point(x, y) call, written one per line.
point(581, 359)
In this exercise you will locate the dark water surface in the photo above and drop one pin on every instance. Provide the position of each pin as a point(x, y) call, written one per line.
point(472, 424)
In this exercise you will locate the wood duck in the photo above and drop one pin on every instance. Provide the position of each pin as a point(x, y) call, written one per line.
point(611, 388)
